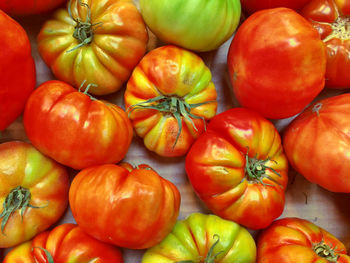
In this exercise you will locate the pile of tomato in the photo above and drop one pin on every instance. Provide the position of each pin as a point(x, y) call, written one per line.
point(282, 55)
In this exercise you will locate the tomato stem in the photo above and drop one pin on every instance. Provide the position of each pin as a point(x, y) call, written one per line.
point(316, 108)
point(325, 251)
point(87, 89)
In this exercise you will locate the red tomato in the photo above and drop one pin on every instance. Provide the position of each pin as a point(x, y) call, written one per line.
point(65, 243)
point(75, 129)
point(17, 78)
point(277, 63)
point(316, 143)
point(294, 240)
point(251, 6)
point(126, 206)
point(238, 168)
point(28, 7)
point(331, 19)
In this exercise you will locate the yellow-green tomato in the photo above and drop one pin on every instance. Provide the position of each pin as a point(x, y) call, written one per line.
point(200, 25)
point(204, 238)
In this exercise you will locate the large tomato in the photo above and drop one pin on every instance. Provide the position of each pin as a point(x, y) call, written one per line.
point(170, 95)
point(295, 240)
point(277, 63)
point(17, 78)
point(126, 206)
point(64, 244)
point(99, 41)
point(199, 25)
point(331, 19)
point(204, 238)
point(317, 143)
point(251, 6)
point(238, 168)
point(28, 7)
point(33, 192)
point(74, 128)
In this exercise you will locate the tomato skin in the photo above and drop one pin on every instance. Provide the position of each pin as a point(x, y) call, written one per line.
point(118, 43)
point(277, 63)
point(327, 17)
point(15, 85)
point(83, 132)
point(174, 72)
point(47, 181)
point(251, 6)
point(28, 7)
point(65, 243)
point(216, 167)
point(138, 206)
point(192, 237)
point(291, 240)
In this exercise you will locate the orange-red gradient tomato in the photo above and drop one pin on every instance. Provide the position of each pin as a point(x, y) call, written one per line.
point(125, 206)
point(28, 7)
point(65, 244)
point(75, 129)
point(251, 6)
point(277, 63)
point(295, 240)
point(36, 186)
point(17, 78)
point(170, 96)
point(332, 20)
point(238, 168)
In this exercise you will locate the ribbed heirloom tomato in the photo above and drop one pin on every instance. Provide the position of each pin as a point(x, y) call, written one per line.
point(28, 7)
point(238, 168)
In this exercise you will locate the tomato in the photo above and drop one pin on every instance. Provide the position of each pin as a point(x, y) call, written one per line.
point(29, 7)
point(200, 237)
point(277, 63)
point(295, 240)
point(170, 95)
point(251, 6)
point(99, 41)
point(135, 207)
point(323, 125)
point(74, 128)
point(65, 243)
point(238, 168)
point(198, 25)
point(15, 85)
point(331, 19)
point(33, 192)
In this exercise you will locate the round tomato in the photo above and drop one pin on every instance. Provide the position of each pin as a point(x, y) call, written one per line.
point(28, 7)
point(316, 143)
point(277, 63)
point(99, 41)
point(200, 237)
point(17, 78)
point(238, 168)
point(251, 6)
point(65, 243)
point(33, 192)
point(199, 25)
point(170, 95)
point(295, 240)
point(74, 128)
point(135, 207)
point(332, 20)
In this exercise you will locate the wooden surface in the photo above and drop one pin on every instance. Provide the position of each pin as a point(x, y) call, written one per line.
point(303, 199)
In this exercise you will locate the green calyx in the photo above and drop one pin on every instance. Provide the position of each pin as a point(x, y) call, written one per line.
point(87, 89)
point(47, 254)
point(17, 199)
point(325, 251)
point(174, 106)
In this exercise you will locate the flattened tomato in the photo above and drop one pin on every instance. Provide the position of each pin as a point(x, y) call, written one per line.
point(29, 7)
point(238, 168)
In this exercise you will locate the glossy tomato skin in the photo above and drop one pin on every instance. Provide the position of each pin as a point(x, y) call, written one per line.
point(118, 42)
point(73, 128)
point(251, 6)
point(172, 72)
point(323, 124)
point(138, 206)
point(47, 181)
point(294, 240)
point(277, 63)
point(192, 237)
point(65, 243)
point(17, 79)
point(217, 168)
point(29, 7)
point(331, 19)
point(197, 25)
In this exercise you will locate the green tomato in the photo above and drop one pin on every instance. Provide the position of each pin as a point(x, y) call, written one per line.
point(200, 25)
point(204, 238)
